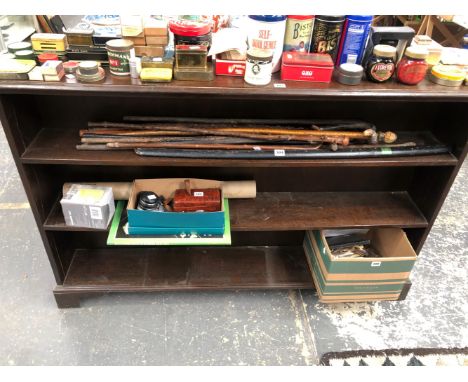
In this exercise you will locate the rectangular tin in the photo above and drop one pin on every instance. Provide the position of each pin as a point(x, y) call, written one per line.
point(311, 67)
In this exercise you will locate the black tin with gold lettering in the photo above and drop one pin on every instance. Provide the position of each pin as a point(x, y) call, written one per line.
point(326, 35)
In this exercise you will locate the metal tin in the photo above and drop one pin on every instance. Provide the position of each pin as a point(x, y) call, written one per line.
point(120, 51)
point(312, 67)
point(191, 56)
point(16, 46)
point(70, 67)
point(98, 76)
point(350, 74)
point(191, 32)
point(43, 57)
point(354, 38)
point(24, 54)
point(258, 67)
point(79, 37)
point(447, 75)
point(326, 35)
point(298, 33)
point(88, 68)
point(267, 32)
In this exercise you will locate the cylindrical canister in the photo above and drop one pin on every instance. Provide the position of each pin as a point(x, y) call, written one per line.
point(26, 54)
point(22, 45)
point(258, 66)
point(298, 33)
point(353, 39)
point(326, 35)
point(120, 51)
point(267, 32)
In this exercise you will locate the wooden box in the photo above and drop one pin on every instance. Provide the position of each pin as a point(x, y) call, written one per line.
point(207, 200)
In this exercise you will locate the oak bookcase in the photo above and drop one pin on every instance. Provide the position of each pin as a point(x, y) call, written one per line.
point(41, 122)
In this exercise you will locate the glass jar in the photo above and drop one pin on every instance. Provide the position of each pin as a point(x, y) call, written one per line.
point(412, 68)
point(381, 65)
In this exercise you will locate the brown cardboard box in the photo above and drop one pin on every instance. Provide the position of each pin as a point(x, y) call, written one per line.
point(151, 51)
point(157, 40)
point(154, 27)
point(137, 40)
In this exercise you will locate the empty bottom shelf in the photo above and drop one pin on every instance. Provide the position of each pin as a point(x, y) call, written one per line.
point(165, 269)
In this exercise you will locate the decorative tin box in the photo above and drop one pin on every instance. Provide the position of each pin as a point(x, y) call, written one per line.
point(312, 67)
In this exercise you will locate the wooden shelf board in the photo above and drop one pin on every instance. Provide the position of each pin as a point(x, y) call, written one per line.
point(297, 211)
point(165, 269)
point(226, 86)
point(55, 146)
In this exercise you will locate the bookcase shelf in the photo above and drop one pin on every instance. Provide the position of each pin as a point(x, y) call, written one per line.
point(42, 121)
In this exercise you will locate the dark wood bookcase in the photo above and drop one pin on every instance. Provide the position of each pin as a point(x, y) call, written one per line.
point(41, 122)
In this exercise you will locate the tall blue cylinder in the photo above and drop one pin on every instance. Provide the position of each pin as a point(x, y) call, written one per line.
point(354, 39)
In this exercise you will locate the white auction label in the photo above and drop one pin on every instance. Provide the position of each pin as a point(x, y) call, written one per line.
point(282, 86)
point(198, 193)
point(257, 148)
point(280, 153)
point(376, 264)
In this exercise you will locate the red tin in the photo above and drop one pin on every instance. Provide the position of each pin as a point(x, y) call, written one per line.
point(229, 68)
point(312, 67)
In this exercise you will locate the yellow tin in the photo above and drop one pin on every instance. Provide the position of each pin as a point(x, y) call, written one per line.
point(156, 74)
point(48, 41)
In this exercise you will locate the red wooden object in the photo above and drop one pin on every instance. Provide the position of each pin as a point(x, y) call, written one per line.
point(188, 200)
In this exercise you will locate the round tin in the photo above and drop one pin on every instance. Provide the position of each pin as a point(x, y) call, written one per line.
point(43, 57)
point(258, 66)
point(16, 46)
point(120, 51)
point(90, 77)
point(7, 56)
point(88, 68)
point(267, 32)
point(191, 32)
point(447, 75)
point(350, 74)
point(326, 35)
point(70, 67)
point(298, 33)
point(24, 54)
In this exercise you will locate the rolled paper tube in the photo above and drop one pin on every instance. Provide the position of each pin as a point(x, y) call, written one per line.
point(231, 189)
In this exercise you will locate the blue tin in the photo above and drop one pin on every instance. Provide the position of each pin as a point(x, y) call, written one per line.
point(353, 41)
point(268, 18)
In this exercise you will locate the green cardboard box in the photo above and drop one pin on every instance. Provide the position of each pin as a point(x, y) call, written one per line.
point(361, 279)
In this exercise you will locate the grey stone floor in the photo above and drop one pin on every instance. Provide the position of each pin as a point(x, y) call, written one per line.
point(219, 328)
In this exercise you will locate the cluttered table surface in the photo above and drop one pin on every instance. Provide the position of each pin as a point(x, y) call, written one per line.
point(236, 87)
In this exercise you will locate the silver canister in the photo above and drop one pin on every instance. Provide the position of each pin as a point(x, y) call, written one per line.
point(349, 74)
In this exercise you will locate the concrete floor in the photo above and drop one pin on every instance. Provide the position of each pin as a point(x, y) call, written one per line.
point(219, 328)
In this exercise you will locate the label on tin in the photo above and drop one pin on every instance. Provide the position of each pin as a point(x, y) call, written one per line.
point(198, 193)
point(326, 37)
point(282, 86)
point(119, 62)
point(298, 34)
point(382, 72)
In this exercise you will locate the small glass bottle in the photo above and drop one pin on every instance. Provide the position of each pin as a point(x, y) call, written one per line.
point(381, 64)
point(412, 68)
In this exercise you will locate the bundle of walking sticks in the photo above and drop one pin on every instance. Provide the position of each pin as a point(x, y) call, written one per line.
point(202, 135)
